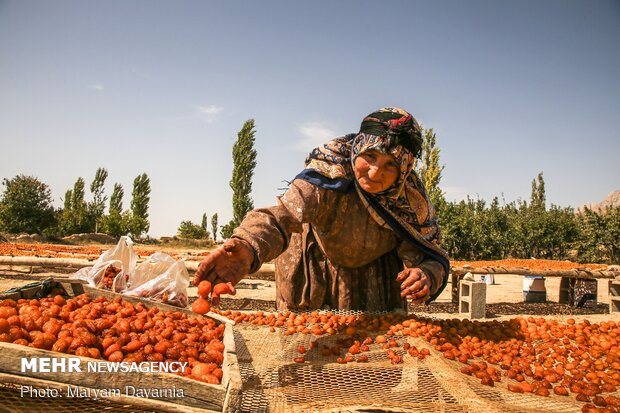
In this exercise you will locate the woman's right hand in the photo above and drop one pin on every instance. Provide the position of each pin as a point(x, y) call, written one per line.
point(228, 263)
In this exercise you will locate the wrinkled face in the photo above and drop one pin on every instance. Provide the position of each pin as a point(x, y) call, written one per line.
point(375, 171)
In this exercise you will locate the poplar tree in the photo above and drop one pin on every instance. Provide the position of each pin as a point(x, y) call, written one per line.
point(74, 217)
point(139, 222)
point(116, 200)
point(204, 222)
point(67, 200)
point(244, 162)
point(536, 218)
point(64, 219)
point(97, 205)
point(214, 226)
point(429, 169)
point(113, 223)
point(79, 211)
point(538, 197)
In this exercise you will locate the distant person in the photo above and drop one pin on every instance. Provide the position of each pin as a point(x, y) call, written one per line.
point(354, 231)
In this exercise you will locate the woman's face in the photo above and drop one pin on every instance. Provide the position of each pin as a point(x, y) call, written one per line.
point(375, 171)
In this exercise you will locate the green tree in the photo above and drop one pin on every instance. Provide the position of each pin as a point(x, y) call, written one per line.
point(65, 216)
point(515, 229)
point(97, 205)
point(561, 232)
point(599, 236)
point(214, 226)
point(116, 200)
point(226, 230)
point(498, 231)
point(535, 217)
point(187, 229)
point(244, 162)
point(457, 225)
point(538, 197)
point(590, 224)
point(450, 229)
point(139, 222)
point(472, 230)
point(429, 169)
point(74, 217)
point(611, 238)
point(205, 222)
point(113, 224)
point(26, 205)
point(68, 199)
point(78, 206)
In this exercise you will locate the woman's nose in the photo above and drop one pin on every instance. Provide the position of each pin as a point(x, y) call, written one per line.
point(374, 172)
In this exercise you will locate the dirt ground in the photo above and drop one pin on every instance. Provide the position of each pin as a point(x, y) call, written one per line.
point(504, 300)
point(507, 289)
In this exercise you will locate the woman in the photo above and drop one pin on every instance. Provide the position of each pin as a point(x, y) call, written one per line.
point(355, 230)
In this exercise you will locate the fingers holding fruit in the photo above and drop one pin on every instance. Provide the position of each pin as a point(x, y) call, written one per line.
point(206, 291)
point(220, 289)
point(415, 285)
point(420, 296)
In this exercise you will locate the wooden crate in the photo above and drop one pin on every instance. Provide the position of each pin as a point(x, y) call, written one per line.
point(198, 396)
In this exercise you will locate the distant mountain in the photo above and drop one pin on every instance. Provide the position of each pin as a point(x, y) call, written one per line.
point(613, 200)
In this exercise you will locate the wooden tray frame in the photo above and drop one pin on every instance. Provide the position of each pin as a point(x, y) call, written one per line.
point(199, 396)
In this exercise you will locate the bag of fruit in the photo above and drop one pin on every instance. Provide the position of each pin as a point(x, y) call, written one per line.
point(112, 269)
point(160, 278)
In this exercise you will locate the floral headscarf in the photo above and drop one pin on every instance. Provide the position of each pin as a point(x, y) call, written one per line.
point(406, 199)
point(405, 206)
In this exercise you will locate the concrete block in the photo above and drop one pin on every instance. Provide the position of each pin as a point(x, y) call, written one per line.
point(473, 299)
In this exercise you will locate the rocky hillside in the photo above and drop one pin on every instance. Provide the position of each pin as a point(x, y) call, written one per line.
point(613, 200)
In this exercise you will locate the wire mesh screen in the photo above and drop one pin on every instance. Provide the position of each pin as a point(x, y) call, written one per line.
point(274, 382)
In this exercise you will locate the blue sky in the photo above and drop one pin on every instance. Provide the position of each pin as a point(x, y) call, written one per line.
point(510, 88)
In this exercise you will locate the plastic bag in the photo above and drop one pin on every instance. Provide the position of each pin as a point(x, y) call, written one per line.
point(160, 278)
point(112, 269)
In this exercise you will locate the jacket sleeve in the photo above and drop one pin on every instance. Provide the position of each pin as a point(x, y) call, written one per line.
point(414, 258)
point(268, 230)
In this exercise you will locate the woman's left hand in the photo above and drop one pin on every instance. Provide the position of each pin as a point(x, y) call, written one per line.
point(414, 285)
